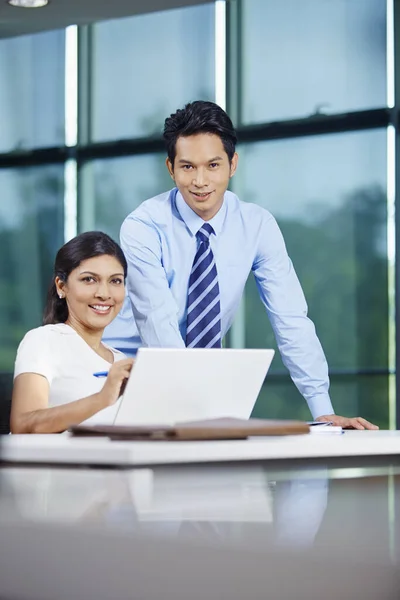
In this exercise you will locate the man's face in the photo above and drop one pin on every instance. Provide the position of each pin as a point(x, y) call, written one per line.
point(201, 172)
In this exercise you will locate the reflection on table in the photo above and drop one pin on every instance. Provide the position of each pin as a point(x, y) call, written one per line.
point(236, 504)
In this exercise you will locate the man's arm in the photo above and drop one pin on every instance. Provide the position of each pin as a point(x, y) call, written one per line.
point(153, 306)
point(298, 344)
point(283, 298)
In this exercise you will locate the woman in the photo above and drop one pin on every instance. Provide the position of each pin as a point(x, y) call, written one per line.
point(56, 382)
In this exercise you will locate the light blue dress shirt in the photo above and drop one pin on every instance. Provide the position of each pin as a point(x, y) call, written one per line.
point(159, 242)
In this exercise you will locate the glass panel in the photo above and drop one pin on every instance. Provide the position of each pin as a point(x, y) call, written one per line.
point(120, 185)
point(300, 58)
point(352, 395)
point(32, 91)
point(328, 195)
point(365, 396)
point(280, 399)
point(31, 231)
point(147, 66)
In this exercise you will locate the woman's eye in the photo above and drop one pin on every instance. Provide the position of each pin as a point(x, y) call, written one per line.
point(88, 279)
point(118, 281)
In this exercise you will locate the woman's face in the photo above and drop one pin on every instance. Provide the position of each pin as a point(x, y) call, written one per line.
point(94, 292)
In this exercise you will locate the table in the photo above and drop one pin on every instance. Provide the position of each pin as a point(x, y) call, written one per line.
point(194, 520)
point(63, 449)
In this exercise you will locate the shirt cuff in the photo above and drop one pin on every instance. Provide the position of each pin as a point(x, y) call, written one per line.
point(320, 405)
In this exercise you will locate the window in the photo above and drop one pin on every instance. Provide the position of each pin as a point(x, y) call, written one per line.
point(31, 231)
point(147, 66)
point(119, 185)
point(315, 55)
point(32, 91)
point(286, 59)
point(328, 194)
point(352, 395)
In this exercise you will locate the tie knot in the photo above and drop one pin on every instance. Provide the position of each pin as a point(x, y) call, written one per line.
point(204, 233)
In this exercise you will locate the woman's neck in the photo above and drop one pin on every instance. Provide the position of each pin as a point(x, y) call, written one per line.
point(91, 336)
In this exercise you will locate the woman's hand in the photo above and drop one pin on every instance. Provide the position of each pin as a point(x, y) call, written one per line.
point(116, 381)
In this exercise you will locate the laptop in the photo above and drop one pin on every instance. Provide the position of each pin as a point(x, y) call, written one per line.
point(170, 385)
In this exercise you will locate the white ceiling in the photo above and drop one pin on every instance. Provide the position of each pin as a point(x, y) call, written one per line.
point(61, 13)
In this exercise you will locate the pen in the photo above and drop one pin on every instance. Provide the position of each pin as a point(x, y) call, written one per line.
point(100, 374)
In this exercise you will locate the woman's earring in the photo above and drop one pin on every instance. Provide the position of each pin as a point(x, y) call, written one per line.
point(61, 296)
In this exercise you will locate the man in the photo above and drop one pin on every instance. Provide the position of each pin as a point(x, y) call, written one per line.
point(191, 250)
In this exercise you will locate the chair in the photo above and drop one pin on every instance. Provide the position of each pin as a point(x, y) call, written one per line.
point(6, 385)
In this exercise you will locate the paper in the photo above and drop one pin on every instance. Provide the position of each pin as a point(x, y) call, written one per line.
point(326, 430)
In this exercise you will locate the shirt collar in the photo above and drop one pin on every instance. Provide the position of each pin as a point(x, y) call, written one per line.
point(193, 221)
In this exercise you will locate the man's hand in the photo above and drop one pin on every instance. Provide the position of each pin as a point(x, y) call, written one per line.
point(346, 423)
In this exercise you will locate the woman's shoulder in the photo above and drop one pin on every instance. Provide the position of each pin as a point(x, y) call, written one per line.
point(39, 351)
point(46, 332)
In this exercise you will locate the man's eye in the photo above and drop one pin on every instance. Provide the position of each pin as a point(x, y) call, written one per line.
point(214, 165)
point(187, 167)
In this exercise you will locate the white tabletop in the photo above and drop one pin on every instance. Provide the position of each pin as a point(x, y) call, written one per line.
point(62, 449)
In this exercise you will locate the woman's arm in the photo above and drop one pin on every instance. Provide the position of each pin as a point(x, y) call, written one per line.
point(30, 412)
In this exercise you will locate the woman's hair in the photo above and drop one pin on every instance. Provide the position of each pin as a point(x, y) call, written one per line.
point(69, 257)
point(199, 117)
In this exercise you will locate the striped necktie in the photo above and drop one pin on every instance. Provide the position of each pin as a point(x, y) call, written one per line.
point(203, 308)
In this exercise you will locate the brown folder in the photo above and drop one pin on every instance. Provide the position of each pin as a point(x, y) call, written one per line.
point(212, 429)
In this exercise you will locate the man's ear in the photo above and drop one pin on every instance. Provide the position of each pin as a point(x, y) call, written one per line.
point(170, 167)
point(234, 163)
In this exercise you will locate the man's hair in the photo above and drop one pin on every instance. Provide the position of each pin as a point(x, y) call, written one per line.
point(199, 117)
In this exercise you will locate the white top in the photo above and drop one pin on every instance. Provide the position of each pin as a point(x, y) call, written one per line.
point(61, 355)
